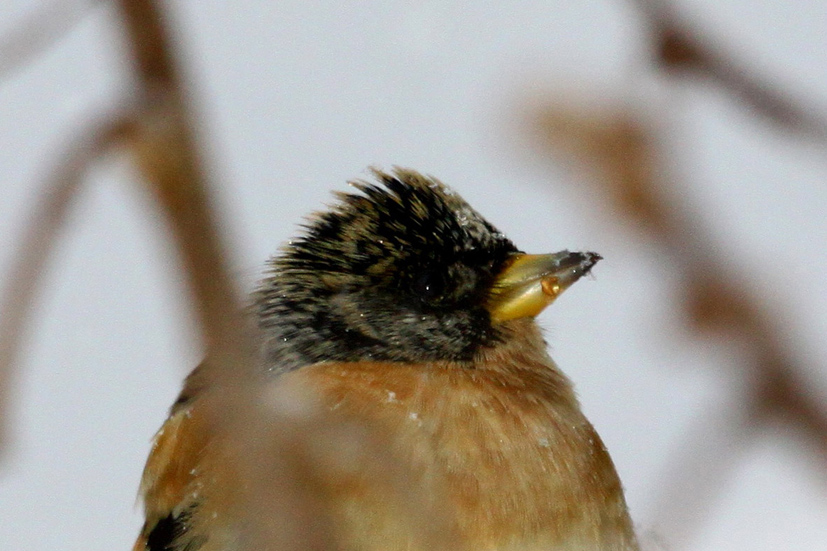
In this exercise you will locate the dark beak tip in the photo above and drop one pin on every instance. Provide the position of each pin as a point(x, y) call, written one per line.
point(589, 260)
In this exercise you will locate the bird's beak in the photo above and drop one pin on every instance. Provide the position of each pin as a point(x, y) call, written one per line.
point(530, 282)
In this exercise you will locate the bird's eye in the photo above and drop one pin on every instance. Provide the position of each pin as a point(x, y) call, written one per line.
point(430, 286)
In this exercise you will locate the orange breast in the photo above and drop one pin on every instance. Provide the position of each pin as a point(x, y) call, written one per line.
point(515, 460)
point(497, 454)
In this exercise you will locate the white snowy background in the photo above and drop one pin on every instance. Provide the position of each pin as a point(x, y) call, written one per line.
point(294, 99)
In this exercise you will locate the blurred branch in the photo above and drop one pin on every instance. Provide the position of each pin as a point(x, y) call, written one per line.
point(38, 31)
point(623, 153)
point(166, 152)
point(160, 138)
point(42, 233)
point(681, 50)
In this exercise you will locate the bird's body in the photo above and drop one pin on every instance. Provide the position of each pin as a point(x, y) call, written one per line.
point(455, 382)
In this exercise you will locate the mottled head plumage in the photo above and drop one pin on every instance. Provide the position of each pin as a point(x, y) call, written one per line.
point(398, 271)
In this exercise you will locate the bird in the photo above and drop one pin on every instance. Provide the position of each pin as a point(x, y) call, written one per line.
point(404, 311)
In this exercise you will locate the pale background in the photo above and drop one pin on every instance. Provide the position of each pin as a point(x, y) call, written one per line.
point(295, 100)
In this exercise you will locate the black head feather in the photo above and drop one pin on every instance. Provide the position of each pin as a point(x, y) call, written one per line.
point(397, 272)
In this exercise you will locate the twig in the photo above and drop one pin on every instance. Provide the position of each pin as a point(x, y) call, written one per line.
point(40, 30)
point(680, 50)
point(166, 152)
point(42, 233)
point(622, 151)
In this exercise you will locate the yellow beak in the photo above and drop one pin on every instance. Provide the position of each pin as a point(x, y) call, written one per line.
point(530, 282)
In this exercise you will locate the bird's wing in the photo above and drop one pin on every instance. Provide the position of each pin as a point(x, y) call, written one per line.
point(190, 483)
point(171, 469)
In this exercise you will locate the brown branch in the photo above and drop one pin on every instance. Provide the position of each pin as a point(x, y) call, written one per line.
point(166, 153)
point(623, 153)
point(41, 237)
point(39, 31)
point(681, 50)
point(150, 45)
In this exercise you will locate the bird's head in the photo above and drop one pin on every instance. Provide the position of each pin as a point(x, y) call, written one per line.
point(402, 270)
